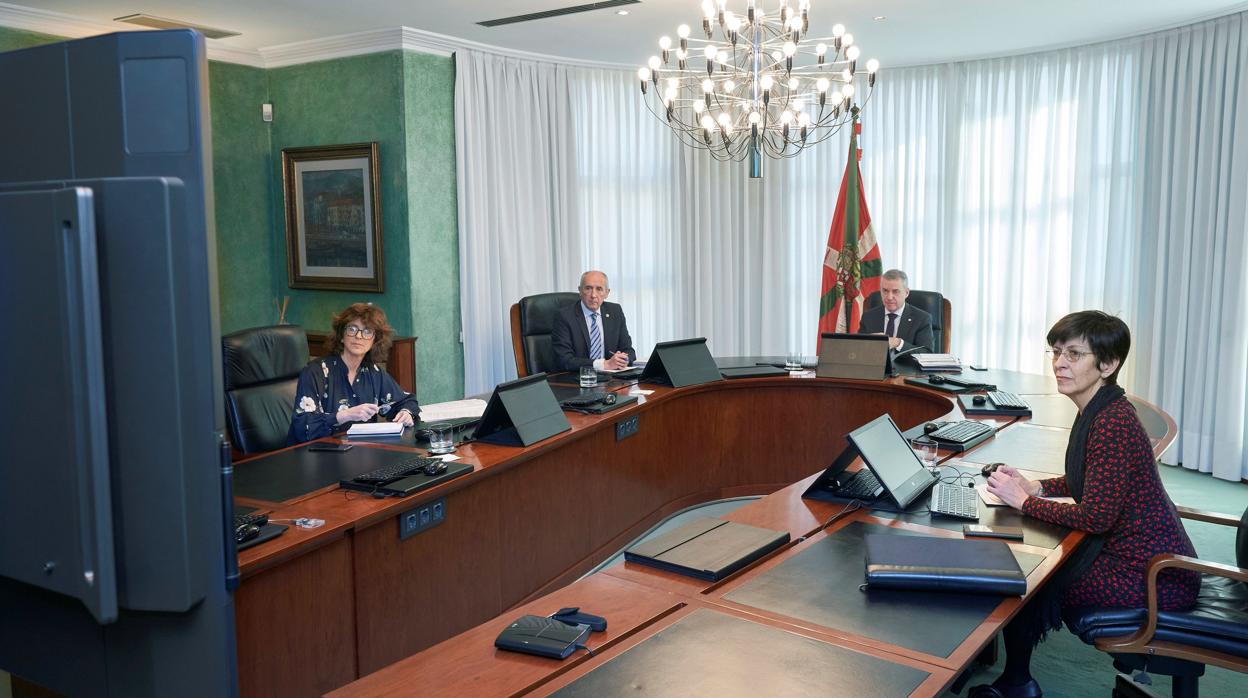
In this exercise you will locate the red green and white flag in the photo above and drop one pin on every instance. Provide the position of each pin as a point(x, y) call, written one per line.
point(851, 264)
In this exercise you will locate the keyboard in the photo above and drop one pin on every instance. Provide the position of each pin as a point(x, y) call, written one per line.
point(861, 485)
point(961, 432)
point(250, 520)
point(1007, 401)
point(955, 500)
point(410, 466)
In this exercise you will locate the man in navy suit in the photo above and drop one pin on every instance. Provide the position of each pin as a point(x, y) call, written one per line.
point(592, 331)
point(906, 326)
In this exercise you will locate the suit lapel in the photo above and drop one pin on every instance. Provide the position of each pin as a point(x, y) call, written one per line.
point(582, 329)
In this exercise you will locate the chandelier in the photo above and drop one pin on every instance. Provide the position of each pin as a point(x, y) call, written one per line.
point(757, 84)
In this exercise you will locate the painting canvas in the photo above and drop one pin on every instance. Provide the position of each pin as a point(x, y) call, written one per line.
point(333, 217)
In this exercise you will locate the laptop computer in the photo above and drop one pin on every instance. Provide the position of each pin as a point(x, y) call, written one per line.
point(860, 356)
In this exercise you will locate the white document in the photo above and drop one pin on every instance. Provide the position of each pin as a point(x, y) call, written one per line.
point(375, 429)
point(455, 409)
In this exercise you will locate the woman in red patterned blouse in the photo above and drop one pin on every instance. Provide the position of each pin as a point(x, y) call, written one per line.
point(1119, 500)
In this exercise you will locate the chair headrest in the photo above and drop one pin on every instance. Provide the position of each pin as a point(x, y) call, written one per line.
point(537, 313)
point(263, 354)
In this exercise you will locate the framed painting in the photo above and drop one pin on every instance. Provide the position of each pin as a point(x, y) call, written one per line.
point(333, 217)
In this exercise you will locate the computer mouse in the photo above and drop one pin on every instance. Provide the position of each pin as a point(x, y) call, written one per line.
point(936, 380)
point(609, 399)
point(931, 427)
point(979, 400)
point(246, 532)
point(990, 469)
point(435, 468)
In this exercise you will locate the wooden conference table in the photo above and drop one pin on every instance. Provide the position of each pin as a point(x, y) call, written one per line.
point(319, 608)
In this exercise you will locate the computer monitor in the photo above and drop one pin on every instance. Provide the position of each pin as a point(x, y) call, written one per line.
point(860, 356)
point(886, 452)
point(521, 412)
point(116, 493)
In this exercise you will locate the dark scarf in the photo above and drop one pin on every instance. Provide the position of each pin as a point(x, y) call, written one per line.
point(1046, 607)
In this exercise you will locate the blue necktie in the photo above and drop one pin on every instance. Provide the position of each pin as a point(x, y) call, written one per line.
point(595, 337)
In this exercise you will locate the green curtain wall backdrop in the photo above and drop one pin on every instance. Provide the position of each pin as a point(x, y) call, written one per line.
point(402, 100)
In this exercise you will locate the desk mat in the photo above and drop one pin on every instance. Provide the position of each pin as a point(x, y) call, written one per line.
point(1025, 446)
point(712, 654)
point(288, 474)
point(820, 585)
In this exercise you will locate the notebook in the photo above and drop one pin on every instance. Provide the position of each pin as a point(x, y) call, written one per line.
point(927, 563)
point(707, 548)
point(369, 429)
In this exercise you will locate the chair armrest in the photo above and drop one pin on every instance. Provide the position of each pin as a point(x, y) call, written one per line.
point(1139, 640)
point(1213, 517)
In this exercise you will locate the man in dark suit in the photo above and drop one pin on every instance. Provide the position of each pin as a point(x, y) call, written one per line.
point(906, 326)
point(592, 331)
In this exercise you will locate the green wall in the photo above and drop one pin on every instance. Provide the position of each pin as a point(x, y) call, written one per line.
point(402, 100)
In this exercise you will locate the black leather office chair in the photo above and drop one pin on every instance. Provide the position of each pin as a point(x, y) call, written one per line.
point(261, 370)
point(1178, 643)
point(531, 321)
point(935, 305)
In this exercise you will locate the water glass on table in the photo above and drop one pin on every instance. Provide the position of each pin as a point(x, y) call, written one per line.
point(793, 362)
point(925, 449)
point(589, 377)
point(441, 438)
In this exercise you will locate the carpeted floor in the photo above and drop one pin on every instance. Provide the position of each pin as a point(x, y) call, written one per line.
point(1064, 666)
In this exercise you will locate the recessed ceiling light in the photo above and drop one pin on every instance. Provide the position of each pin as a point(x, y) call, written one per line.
point(621, 12)
point(879, 18)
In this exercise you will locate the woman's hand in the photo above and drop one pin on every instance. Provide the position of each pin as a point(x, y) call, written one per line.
point(1011, 487)
point(359, 413)
point(404, 417)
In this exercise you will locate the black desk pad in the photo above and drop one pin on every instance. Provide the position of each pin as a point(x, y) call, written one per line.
point(712, 654)
point(288, 474)
point(820, 585)
point(1035, 532)
point(1022, 445)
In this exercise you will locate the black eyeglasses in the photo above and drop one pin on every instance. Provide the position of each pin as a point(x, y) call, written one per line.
point(352, 330)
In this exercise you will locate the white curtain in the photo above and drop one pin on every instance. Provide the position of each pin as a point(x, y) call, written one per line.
point(1111, 176)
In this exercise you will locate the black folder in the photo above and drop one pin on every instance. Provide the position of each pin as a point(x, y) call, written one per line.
point(707, 548)
point(927, 563)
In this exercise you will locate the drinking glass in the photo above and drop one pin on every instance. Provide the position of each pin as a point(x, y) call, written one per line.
point(589, 377)
point(441, 438)
point(793, 362)
point(925, 449)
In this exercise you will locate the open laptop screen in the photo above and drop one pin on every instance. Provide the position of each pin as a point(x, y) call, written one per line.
point(886, 452)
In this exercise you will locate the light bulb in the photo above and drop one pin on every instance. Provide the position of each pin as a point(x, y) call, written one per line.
point(821, 48)
point(838, 30)
point(729, 86)
point(708, 9)
point(766, 82)
point(681, 54)
point(755, 118)
point(698, 107)
point(793, 83)
point(670, 93)
point(707, 85)
point(730, 19)
point(848, 90)
point(683, 31)
point(724, 120)
point(643, 74)
point(655, 63)
point(777, 56)
point(847, 40)
point(709, 52)
point(790, 48)
point(803, 119)
point(786, 117)
point(847, 76)
point(853, 52)
point(798, 105)
point(795, 23)
point(822, 85)
point(673, 83)
point(873, 65)
point(722, 57)
point(721, 4)
point(665, 42)
point(836, 97)
point(707, 122)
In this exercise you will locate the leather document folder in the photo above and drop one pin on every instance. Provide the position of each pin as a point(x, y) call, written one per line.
point(707, 548)
point(927, 563)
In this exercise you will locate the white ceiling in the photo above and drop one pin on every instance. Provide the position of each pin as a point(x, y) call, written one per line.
point(914, 31)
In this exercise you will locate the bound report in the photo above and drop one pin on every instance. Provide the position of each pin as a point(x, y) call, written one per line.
point(707, 548)
point(926, 563)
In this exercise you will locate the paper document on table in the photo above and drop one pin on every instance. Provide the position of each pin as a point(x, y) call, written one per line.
point(375, 429)
point(634, 367)
point(455, 409)
point(937, 362)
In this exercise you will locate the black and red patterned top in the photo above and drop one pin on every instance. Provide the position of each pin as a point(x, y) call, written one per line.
point(1123, 498)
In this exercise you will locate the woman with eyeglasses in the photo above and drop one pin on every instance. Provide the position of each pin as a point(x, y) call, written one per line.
point(1119, 500)
point(347, 385)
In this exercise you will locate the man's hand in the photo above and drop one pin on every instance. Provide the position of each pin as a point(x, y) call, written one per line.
point(359, 413)
point(894, 343)
point(404, 417)
point(618, 360)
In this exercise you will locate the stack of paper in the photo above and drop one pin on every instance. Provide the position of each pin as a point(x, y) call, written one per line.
point(938, 362)
point(375, 429)
point(455, 409)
